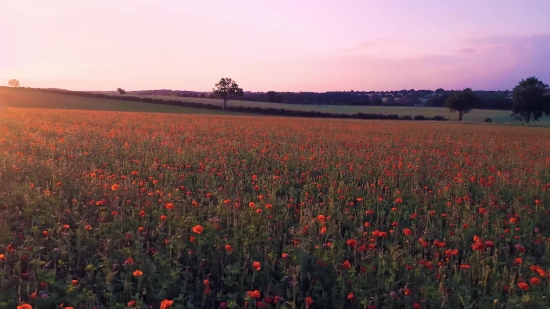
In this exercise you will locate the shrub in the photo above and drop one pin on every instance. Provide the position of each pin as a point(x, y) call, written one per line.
point(488, 120)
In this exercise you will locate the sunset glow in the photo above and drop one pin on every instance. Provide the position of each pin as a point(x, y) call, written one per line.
point(274, 45)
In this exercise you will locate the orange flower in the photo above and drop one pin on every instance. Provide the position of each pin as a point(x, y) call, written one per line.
point(284, 255)
point(169, 206)
point(198, 229)
point(88, 227)
point(534, 280)
point(131, 303)
point(321, 218)
point(115, 187)
point(74, 282)
point(464, 266)
point(66, 226)
point(165, 304)
point(2, 257)
point(256, 265)
point(162, 217)
point(137, 273)
point(347, 264)
point(351, 242)
point(407, 231)
point(24, 306)
point(228, 248)
point(45, 233)
point(253, 294)
point(350, 295)
point(524, 286)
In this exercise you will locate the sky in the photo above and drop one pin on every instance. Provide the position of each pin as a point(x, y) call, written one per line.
point(279, 45)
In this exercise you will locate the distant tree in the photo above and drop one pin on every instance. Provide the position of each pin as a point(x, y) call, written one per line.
point(439, 91)
point(121, 91)
point(227, 89)
point(461, 102)
point(390, 101)
point(13, 83)
point(376, 100)
point(530, 100)
point(273, 97)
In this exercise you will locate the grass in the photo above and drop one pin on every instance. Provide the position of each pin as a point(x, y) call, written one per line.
point(31, 99)
point(497, 116)
point(141, 210)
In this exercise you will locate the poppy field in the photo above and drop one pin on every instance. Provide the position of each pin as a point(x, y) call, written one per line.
point(142, 210)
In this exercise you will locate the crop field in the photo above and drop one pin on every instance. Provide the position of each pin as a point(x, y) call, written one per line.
point(28, 99)
point(141, 210)
point(479, 115)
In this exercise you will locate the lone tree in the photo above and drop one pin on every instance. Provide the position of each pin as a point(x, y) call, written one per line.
point(227, 89)
point(121, 91)
point(461, 102)
point(13, 83)
point(531, 100)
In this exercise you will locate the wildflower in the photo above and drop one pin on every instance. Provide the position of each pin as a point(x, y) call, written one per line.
point(74, 282)
point(66, 226)
point(524, 286)
point(534, 280)
point(346, 264)
point(253, 294)
point(162, 217)
point(137, 273)
point(197, 229)
point(351, 242)
point(321, 218)
point(256, 266)
point(350, 295)
point(407, 231)
point(165, 304)
point(169, 206)
point(24, 306)
point(228, 248)
point(131, 303)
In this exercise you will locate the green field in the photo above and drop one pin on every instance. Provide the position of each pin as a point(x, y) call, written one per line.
point(497, 116)
point(32, 99)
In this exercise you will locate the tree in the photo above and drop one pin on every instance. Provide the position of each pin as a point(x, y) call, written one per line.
point(121, 91)
point(227, 89)
point(13, 83)
point(530, 100)
point(461, 102)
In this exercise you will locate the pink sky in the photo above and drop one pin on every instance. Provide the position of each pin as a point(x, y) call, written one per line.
point(292, 45)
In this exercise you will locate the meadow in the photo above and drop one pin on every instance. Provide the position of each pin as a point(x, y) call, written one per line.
point(143, 210)
point(28, 99)
point(476, 115)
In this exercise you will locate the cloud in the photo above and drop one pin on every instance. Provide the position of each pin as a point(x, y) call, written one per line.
point(466, 50)
point(480, 63)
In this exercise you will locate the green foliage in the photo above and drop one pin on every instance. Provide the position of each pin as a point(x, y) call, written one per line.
point(531, 100)
point(461, 101)
point(227, 89)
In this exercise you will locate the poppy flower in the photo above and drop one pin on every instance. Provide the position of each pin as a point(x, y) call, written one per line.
point(256, 265)
point(137, 273)
point(351, 242)
point(321, 218)
point(131, 303)
point(534, 280)
point(165, 304)
point(198, 229)
point(524, 286)
point(169, 206)
point(24, 306)
point(347, 264)
point(253, 294)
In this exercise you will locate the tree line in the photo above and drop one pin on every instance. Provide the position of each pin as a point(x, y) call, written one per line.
point(239, 109)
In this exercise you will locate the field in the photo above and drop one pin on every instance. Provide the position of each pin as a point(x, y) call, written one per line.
point(28, 99)
point(118, 210)
point(497, 116)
